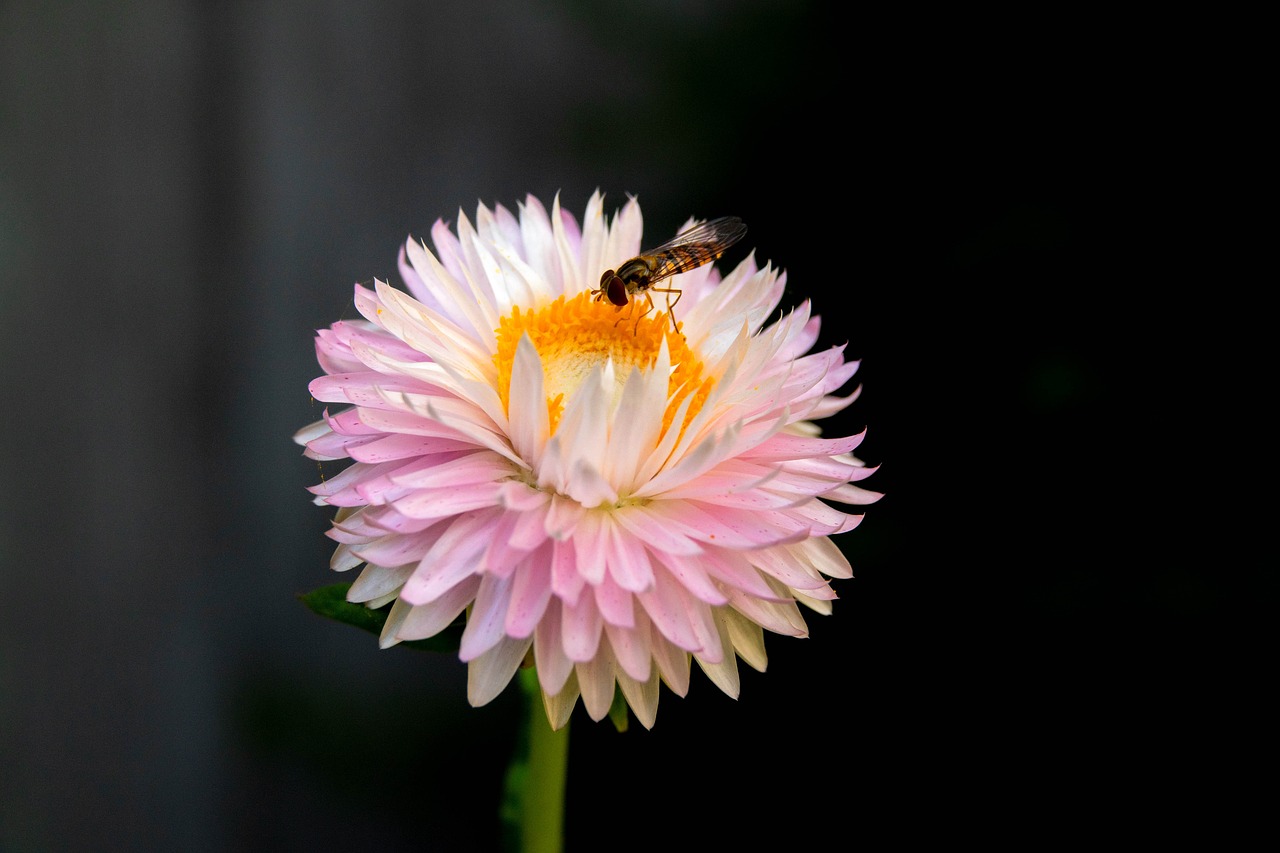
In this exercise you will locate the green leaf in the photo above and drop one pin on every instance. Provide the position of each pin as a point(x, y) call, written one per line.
point(331, 602)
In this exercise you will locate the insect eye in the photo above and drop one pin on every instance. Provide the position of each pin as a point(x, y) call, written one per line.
point(616, 291)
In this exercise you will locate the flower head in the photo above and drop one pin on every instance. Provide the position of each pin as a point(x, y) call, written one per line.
point(596, 492)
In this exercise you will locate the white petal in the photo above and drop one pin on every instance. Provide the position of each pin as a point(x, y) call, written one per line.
point(637, 422)
point(489, 674)
point(559, 706)
point(673, 663)
point(825, 556)
point(311, 432)
point(583, 428)
point(399, 610)
point(344, 558)
point(596, 681)
point(530, 422)
point(642, 696)
point(723, 673)
point(746, 636)
point(376, 581)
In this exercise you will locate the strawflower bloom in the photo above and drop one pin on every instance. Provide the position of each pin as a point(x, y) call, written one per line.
point(597, 494)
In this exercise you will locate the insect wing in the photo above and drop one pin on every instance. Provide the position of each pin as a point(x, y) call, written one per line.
point(693, 248)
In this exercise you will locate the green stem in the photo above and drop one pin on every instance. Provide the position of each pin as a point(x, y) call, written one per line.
point(534, 808)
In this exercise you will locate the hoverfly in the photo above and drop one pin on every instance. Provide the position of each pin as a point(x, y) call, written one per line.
point(692, 248)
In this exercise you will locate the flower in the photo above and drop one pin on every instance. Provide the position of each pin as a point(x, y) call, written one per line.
point(603, 496)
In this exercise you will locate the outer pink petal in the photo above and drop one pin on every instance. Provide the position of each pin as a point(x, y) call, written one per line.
point(427, 620)
point(692, 575)
point(554, 666)
point(451, 500)
point(665, 605)
point(566, 581)
point(580, 627)
point(631, 650)
point(530, 592)
point(486, 623)
point(453, 558)
point(616, 604)
point(650, 529)
point(397, 549)
point(628, 561)
point(789, 446)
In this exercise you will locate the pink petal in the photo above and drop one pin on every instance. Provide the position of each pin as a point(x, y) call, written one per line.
point(350, 422)
point(780, 617)
point(615, 603)
point(734, 568)
point(451, 559)
point(822, 520)
point(627, 559)
point(789, 446)
point(580, 627)
point(442, 502)
point(521, 497)
point(554, 666)
point(665, 605)
point(592, 547)
point(397, 549)
point(781, 563)
point(393, 447)
point(737, 528)
point(332, 445)
point(530, 593)
point(650, 529)
point(530, 528)
point(487, 620)
point(850, 494)
point(427, 620)
point(501, 557)
point(364, 388)
point(456, 469)
point(342, 486)
point(692, 575)
point(631, 650)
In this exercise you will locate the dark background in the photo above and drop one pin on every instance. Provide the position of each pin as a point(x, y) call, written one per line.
point(187, 191)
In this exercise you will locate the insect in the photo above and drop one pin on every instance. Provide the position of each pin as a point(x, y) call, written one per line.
point(639, 276)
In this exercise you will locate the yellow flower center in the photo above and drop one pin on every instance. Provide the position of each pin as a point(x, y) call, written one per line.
point(575, 335)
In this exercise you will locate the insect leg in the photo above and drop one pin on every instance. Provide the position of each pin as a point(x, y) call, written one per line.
point(670, 305)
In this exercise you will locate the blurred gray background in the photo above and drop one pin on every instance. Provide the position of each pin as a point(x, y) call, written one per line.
point(188, 190)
